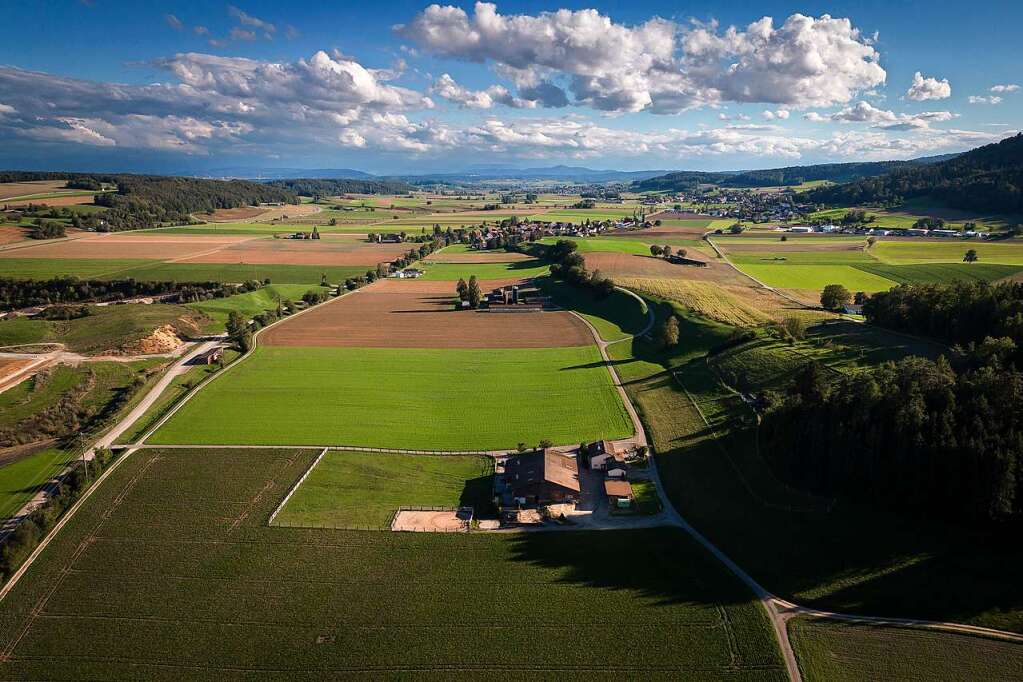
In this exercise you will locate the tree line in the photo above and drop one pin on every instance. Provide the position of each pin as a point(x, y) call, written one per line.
point(314, 187)
point(567, 264)
point(24, 293)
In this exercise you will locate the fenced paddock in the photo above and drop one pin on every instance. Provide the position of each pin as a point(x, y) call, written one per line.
point(433, 519)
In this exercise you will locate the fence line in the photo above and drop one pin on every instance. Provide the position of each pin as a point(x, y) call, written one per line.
point(295, 487)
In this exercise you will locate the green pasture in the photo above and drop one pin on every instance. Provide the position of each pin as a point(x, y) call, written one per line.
point(189, 580)
point(786, 257)
point(365, 489)
point(787, 276)
point(21, 480)
point(241, 272)
point(605, 244)
point(85, 268)
point(405, 398)
point(455, 271)
point(251, 303)
point(940, 272)
point(1008, 252)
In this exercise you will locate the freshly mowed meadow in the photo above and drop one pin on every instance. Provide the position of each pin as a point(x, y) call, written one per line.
point(604, 245)
point(837, 652)
point(1009, 252)
point(364, 489)
point(173, 555)
point(241, 272)
point(793, 276)
point(923, 273)
point(251, 303)
point(434, 399)
point(454, 271)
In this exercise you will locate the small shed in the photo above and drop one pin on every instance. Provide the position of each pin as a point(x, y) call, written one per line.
point(619, 493)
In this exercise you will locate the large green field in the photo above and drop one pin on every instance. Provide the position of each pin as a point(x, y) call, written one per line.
point(454, 271)
point(170, 571)
point(85, 268)
point(817, 277)
point(1009, 252)
point(606, 244)
point(364, 489)
point(20, 480)
point(451, 399)
point(840, 652)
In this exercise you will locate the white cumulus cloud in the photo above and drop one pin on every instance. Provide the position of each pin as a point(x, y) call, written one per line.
point(1009, 87)
point(924, 89)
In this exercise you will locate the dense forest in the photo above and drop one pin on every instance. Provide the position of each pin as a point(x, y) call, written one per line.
point(312, 187)
point(988, 179)
point(916, 435)
point(776, 177)
point(957, 313)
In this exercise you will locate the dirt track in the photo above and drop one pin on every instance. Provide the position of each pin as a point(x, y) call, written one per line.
point(389, 315)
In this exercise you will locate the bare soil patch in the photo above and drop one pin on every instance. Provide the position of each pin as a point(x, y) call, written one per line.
point(11, 234)
point(627, 265)
point(116, 247)
point(11, 366)
point(17, 189)
point(52, 201)
point(428, 522)
point(392, 316)
point(230, 215)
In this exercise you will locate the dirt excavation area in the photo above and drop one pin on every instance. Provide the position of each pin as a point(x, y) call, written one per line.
point(398, 314)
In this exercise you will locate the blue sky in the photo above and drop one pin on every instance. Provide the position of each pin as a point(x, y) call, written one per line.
point(401, 87)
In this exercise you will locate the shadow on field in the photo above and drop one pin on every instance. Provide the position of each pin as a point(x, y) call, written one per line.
point(662, 565)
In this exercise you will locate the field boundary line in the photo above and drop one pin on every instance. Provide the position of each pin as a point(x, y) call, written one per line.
point(295, 487)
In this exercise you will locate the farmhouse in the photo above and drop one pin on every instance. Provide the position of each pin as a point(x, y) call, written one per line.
point(210, 357)
point(542, 477)
point(519, 297)
point(619, 493)
point(598, 454)
point(408, 273)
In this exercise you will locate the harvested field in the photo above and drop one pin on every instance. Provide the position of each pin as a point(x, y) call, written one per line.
point(17, 189)
point(393, 316)
point(227, 215)
point(117, 247)
point(11, 233)
point(704, 298)
point(616, 265)
point(71, 200)
point(304, 252)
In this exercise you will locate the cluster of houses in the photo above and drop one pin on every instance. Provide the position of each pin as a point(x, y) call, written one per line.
point(497, 236)
point(887, 232)
point(550, 476)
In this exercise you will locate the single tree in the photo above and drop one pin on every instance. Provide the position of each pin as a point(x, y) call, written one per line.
point(463, 290)
point(971, 256)
point(235, 324)
point(681, 253)
point(666, 250)
point(668, 334)
point(794, 327)
point(474, 294)
point(655, 250)
point(835, 296)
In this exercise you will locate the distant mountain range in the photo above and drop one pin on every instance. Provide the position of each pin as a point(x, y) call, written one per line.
point(257, 173)
point(471, 174)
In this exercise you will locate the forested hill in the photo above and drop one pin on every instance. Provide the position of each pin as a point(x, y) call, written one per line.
point(988, 178)
point(322, 187)
point(777, 177)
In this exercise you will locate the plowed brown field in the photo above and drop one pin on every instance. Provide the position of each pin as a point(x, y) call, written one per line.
point(304, 252)
point(496, 257)
point(11, 234)
point(626, 265)
point(388, 315)
point(127, 246)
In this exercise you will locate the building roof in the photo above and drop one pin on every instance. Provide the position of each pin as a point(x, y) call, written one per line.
point(617, 488)
point(544, 466)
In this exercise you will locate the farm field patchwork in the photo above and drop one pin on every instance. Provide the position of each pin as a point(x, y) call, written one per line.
point(846, 651)
point(1009, 252)
point(706, 298)
point(364, 489)
point(451, 399)
point(816, 277)
point(176, 546)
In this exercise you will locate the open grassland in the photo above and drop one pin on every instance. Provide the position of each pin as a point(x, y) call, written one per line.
point(924, 273)
point(1009, 252)
point(462, 253)
point(174, 559)
point(364, 489)
point(839, 652)
point(251, 303)
point(405, 398)
point(816, 277)
point(605, 245)
point(47, 268)
point(455, 271)
point(107, 329)
point(705, 298)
